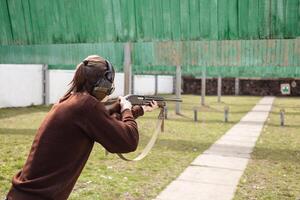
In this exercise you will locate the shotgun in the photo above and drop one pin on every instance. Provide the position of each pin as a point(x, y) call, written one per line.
point(140, 100)
point(145, 100)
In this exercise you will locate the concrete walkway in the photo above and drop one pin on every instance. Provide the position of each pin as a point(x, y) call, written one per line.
point(215, 174)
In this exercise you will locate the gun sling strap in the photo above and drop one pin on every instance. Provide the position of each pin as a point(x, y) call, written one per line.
point(159, 127)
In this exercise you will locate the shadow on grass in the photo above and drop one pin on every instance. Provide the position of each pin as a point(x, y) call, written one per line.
point(286, 155)
point(221, 111)
point(287, 113)
point(281, 155)
point(182, 145)
point(206, 121)
point(184, 116)
point(177, 144)
point(11, 131)
point(216, 121)
point(12, 112)
point(187, 119)
point(285, 126)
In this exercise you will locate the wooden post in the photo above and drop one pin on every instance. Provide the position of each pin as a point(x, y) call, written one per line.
point(282, 111)
point(45, 75)
point(132, 83)
point(178, 87)
point(203, 86)
point(219, 88)
point(127, 69)
point(237, 86)
point(174, 85)
point(226, 112)
point(162, 126)
point(166, 112)
point(195, 114)
point(156, 84)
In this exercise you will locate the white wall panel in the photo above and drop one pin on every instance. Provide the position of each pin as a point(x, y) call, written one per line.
point(144, 84)
point(165, 84)
point(21, 85)
point(119, 85)
point(59, 80)
point(58, 83)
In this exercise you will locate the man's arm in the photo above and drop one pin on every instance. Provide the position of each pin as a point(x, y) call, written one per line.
point(116, 136)
point(115, 109)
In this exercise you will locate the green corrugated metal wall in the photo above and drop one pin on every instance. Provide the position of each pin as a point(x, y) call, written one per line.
point(219, 53)
point(81, 21)
point(234, 38)
point(230, 58)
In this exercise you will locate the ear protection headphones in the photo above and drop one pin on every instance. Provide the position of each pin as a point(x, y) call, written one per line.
point(105, 83)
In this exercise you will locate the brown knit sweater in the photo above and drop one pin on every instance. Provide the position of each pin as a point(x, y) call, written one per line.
point(63, 144)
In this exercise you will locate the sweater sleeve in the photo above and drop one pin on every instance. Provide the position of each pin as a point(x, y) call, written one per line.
point(115, 109)
point(114, 135)
point(137, 111)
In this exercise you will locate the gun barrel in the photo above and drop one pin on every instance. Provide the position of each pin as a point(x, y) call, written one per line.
point(155, 98)
point(175, 99)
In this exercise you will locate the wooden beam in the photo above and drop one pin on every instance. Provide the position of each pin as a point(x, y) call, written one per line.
point(45, 75)
point(219, 88)
point(156, 84)
point(127, 69)
point(203, 87)
point(178, 87)
point(237, 86)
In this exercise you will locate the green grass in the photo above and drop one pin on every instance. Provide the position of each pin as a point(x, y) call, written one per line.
point(274, 170)
point(108, 177)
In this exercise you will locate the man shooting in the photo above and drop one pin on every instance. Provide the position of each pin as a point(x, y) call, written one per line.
point(63, 142)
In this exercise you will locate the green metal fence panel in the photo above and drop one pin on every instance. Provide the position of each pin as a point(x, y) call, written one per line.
point(17, 21)
point(243, 71)
point(157, 17)
point(205, 23)
point(119, 26)
point(264, 19)
point(222, 13)
point(292, 18)
point(175, 20)
point(5, 24)
point(194, 20)
point(277, 7)
point(61, 54)
point(184, 19)
point(95, 21)
point(233, 28)
point(166, 20)
point(234, 58)
point(212, 27)
point(243, 9)
point(162, 70)
point(147, 17)
point(253, 18)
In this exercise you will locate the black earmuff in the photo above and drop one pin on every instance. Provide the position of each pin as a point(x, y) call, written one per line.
point(106, 83)
point(109, 74)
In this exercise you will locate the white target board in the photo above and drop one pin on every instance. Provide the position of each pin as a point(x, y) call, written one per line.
point(285, 89)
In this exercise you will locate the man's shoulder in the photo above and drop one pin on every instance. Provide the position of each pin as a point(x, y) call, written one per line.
point(88, 100)
point(85, 98)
